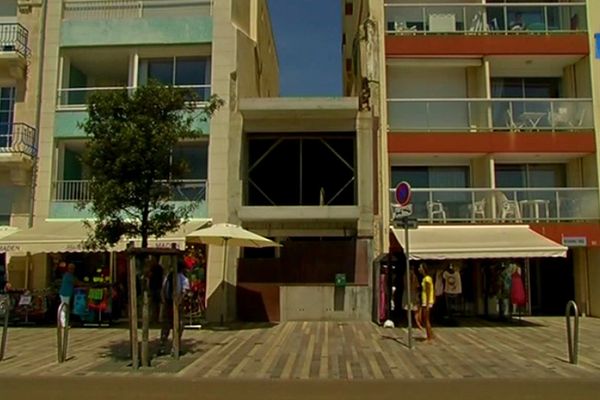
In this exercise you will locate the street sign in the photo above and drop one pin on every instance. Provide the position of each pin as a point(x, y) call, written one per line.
point(574, 241)
point(406, 223)
point(403, 193)
point(597, 37)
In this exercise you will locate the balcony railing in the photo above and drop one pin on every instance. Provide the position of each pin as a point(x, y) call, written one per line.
point(123, 9)
point(513, 18)
point(14, 38)
point(490, 114)
point(79, 190)
point(514, 205)
point(18, 138)
point(78, 97)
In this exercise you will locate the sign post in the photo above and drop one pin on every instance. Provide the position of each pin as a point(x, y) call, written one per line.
point(403, 197)
point(4, 314)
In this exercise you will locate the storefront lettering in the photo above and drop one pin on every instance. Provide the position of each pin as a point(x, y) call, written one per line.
point(9, 247)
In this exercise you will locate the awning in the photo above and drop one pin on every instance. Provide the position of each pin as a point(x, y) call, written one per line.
point(68, 236)
point(7, 230)
point(477, 241)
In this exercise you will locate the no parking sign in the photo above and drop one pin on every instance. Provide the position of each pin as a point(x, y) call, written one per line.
point(597, 37)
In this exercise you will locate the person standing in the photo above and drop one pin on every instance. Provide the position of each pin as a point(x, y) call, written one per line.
point(427, 299)
point(67, 285)
point(414, 298)
point(169, 295)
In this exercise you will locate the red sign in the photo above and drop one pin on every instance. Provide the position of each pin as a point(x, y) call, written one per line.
point(403, 193)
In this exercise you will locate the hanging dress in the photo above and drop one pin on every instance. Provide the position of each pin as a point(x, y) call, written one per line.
point(517, 290)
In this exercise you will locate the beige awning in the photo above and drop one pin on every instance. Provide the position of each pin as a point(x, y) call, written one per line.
point(7, 230)
point(477, 241)
point(68, 236)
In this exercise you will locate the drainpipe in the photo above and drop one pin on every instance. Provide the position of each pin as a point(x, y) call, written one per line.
point(38, 109)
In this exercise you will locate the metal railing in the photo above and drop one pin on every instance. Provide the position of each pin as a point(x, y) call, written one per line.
point(14, 37)
point(503, 205)
point(78, 97)
point(498, 114)
point(79, 190)
point(124, 9)
point(470, 18)
point(18, 138)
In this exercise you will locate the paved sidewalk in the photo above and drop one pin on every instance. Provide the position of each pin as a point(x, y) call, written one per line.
point(535, 348)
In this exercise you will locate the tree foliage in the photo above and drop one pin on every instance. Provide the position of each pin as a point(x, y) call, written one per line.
point(129, 156)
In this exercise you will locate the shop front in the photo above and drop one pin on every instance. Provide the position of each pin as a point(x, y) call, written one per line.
point(38, 258)
point(477, 270)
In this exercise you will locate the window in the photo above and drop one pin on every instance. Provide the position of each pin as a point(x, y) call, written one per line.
point(530, 175)
point(309, 169)
point(193, 72)
point(7, 102)
point(544, 88)
point(432, 177)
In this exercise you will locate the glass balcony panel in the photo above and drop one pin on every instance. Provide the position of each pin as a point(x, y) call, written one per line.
point(506, 205)
point(489, 18)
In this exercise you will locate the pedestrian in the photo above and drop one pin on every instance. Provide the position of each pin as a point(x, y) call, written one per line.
point(414, 305)
point(67, 285)
point(427, 299)
point(170, 295)
point(155, 283)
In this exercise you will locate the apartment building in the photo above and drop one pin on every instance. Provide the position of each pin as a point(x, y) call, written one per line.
point(20, 52)
point(491, 114)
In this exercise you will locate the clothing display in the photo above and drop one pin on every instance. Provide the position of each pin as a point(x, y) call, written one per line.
point(517, 292)
point(452, 282)
point(439, 283)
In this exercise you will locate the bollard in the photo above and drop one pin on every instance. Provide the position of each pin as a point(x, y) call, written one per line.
point(62, 331)
point(4, 314)
point(572, 335)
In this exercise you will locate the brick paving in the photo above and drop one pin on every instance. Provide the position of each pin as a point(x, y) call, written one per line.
point(533, 348)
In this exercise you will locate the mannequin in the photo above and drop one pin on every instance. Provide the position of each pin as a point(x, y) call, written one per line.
point(517, 289)
point(452, 288)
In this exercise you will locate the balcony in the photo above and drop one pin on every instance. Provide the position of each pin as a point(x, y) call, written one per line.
point(485, 19)
point(136, 22)
point(19, 139)
point(185, 190)
point(506, 205)
point(18, 150)
point(438, 29)
point(490, 115)
point(77, 98)
point(72, 108)
point(13, 50)
point(67, 194)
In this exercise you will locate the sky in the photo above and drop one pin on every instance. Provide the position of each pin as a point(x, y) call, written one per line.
point(308, 36)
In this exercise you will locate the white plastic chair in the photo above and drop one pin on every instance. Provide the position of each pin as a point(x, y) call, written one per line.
point(511, 123)
point(477, 210)
point(578, 123)
point(509, 209)
point(435, 211)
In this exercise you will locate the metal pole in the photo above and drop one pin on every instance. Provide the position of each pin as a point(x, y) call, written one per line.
point(224, 283)
point(572, 336)
point(177, 292)
point(62, 331)
point(4, 309)
point(133, 315)
point(408, 288)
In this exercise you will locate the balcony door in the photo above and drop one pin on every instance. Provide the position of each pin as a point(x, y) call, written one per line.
point(191, 72)
point(7, 107)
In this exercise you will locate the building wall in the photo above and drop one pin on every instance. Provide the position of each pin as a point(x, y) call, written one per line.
point(591, 162)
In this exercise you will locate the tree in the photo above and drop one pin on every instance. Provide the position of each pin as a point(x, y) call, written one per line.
point(129, 156)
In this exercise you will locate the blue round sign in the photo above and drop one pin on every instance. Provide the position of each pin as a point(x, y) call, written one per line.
point(403, 193)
